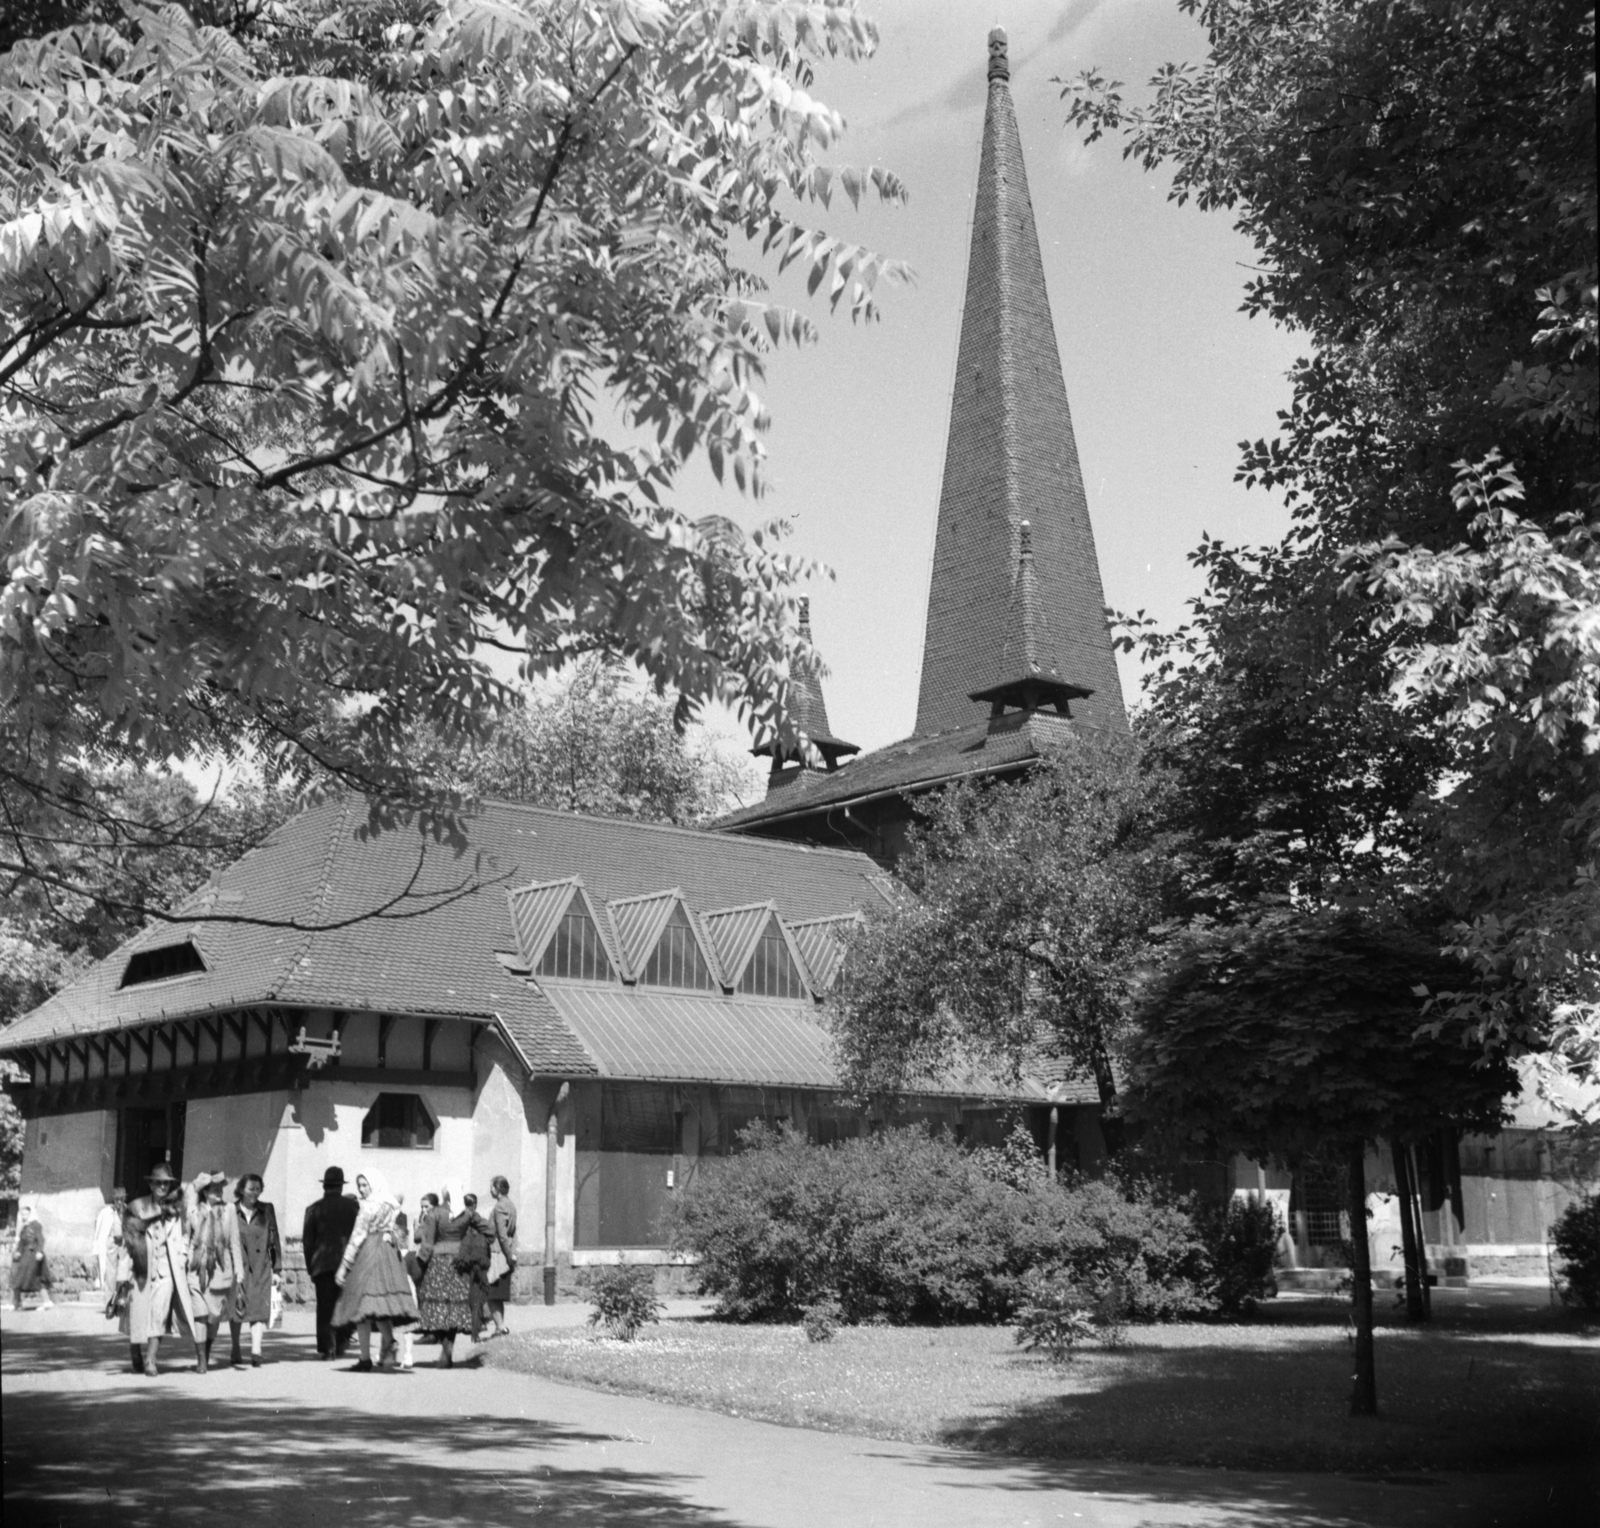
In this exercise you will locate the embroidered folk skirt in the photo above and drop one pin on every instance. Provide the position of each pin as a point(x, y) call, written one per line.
point(377, 1288)
point(443, 1298)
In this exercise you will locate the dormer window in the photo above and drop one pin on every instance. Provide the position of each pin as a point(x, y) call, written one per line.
point(576, 952)
point(677, 960)
point(770, 971)
point(166, 960)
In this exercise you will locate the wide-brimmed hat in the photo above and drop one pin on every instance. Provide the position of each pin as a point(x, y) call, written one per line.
point(160, 1173)
point(203, 1181)
point(333, 1178)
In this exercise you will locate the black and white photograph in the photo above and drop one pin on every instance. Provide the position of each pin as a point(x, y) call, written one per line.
point(799, 764)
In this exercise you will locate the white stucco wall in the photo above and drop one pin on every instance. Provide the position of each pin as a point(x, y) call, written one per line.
point(67, 1162)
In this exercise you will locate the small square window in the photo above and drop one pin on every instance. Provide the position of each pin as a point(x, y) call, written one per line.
point(398, 1120)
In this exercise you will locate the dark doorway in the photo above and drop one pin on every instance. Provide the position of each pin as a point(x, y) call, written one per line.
point(146, 1136)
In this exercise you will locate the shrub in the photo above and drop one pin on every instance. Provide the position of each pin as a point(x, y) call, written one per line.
point(909, 1227)
point(821, 1319)
point(624, 1300)
point(1577, 1238)
point(1057, 1314)
point(1242, 1239)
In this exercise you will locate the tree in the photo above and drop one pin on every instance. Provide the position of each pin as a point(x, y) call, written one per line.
point(156, 841)
point(595, 743)
point(346, 345)
point(1030, 905)
point(1300, 1035)
point(1418, 181)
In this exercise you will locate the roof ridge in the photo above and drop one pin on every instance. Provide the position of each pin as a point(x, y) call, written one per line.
point(324, 894)
point(705, 834)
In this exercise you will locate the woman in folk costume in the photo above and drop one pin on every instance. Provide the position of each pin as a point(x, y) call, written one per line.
point(30, 1269)
point(372, 1280)
point(216, 1259)
point(155, 1264)
point(263, 1263)
point(443, 1292)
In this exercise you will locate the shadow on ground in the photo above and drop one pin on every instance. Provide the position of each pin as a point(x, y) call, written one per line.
point(160, 1452)
point(1447, 1401)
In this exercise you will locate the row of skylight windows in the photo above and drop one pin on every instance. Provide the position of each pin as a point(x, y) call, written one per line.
point(576, 953)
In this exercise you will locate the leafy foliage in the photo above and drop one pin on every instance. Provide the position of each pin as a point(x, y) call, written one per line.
point(593, 742)
point(908, 1227)
point(1408, 678)
point(1302, 1034)
point(1243, 1240)
point(1576, 1236)
point(1030, 906)
point(820, 1319)
point(1056, 1317)
point(345, 345)
point(624, 1299)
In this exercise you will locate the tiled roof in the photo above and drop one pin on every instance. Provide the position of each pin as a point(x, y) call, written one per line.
point(676, 1037)
point(1010, 457)
point(638, 922)
point(916, 763)
point(807, 709)
point(535, 912)
point(435, 951)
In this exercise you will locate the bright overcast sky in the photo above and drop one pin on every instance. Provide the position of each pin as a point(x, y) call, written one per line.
point(1165, 376)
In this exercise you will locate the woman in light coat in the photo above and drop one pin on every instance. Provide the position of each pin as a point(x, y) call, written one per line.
point(155, 1264)
point(216, 1259)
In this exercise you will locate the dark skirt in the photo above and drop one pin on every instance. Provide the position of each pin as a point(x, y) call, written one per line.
point(377, 1288)
point(444, 1298)
point(500, 1289)
point(29, 1274)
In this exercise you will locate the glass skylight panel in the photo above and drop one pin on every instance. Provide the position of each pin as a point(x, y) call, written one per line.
point(771, 971)
point(576, 953)
point(676, 960)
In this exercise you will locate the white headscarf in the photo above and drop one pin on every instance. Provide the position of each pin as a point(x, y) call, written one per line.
point(27, 1209)
point(381, 1192)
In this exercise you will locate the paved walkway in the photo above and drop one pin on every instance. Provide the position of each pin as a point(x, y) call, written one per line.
point(299, 1442)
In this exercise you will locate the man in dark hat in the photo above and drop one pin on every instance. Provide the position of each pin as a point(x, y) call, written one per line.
point(329, 1221)
point(158, 1263)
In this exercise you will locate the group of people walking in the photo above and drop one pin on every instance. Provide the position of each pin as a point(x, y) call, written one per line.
point(449, 1275)
point(190, 1260)
point(186, 1260)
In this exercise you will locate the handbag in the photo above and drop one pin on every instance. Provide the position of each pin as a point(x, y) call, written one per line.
point(415, 1268)
point(275, 1307)
point(499, 1264)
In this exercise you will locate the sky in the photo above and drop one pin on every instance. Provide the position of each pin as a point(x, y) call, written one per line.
point(1165, 376)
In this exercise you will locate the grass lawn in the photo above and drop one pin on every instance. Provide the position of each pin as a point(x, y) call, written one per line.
point(1272, 1394)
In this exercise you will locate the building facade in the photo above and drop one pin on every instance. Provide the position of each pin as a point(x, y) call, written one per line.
point(591, 1008)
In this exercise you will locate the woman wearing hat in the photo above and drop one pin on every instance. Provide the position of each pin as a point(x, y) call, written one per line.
point(216, 1261)
point(373, 1286)
point(155, 1260)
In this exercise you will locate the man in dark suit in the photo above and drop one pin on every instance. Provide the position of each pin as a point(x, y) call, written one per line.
point(329, 1221)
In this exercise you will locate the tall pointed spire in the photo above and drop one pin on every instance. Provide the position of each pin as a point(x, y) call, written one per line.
point(1011, 459)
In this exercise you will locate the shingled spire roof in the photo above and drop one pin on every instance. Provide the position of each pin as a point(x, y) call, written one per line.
point(809, 713)
point(1011, 459)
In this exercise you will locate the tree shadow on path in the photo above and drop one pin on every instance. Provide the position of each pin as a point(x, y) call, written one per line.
point(162, 1453)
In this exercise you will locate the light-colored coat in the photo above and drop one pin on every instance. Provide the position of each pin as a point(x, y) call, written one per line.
point(161, 1294)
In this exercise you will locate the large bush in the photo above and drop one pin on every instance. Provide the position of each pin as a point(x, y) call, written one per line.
point(1577, 1238)
point(908, 1227)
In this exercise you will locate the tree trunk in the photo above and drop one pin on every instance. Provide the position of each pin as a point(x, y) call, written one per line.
point(1364, 1386)
point(1416, 1308)
point(1112, 1126)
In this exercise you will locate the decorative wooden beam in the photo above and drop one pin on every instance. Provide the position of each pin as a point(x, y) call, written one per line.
point(265, 1021)
point(146, 1042)
point(385, 1029)
point(241, 1028)
point(430, 1028)
point(168, 1035)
